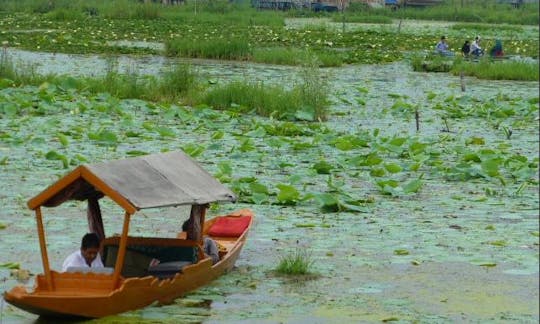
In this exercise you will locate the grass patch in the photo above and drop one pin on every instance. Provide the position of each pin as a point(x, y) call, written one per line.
point(498, 70)
point(280, 55)
point(366, 19)
point(203, 12)
point(308, 100)
point(431, 63)
point(232, 49)
point(482, 11)
point(486, 68)
point(295, 56)
point(486, 28)
point(298, 262)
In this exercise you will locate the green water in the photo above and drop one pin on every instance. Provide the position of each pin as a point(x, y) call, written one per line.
point(472, 245)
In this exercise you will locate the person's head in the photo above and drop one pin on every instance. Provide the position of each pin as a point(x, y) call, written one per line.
point(466, 42)
point(477, 39)
point(443, 39)
point(90, 247)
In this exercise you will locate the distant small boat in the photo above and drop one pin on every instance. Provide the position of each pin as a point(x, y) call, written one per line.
point(159, 180)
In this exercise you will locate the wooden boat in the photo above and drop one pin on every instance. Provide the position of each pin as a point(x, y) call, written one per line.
point(158, 180)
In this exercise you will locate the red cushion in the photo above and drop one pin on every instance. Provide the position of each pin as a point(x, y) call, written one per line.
point(229, 226)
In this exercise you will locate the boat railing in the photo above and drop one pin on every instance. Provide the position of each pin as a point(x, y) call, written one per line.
point(73, 283)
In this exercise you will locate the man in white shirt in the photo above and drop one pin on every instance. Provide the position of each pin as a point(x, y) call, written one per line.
point(88, 256)
point(476, 50)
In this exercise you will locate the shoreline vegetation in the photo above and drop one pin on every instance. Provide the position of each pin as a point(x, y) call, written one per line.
point(236, 31)
point(478, 11)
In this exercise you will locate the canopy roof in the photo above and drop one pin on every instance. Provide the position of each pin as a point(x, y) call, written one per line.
point(157, 180)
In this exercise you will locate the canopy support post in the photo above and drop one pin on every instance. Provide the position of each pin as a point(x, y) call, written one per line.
point(203, 215)
point(43, 248)
point(95, 221)
point(196, 223)
point(121, 251)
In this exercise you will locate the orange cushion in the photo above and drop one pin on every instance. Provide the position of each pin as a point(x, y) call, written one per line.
point(229, 226)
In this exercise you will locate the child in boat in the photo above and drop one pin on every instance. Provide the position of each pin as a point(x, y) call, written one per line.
point(497, 50)
point(88, 256)
point(466, 49)
point(210, 247)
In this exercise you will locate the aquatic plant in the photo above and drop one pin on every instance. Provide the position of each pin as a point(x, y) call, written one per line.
point(307, 100)
point(224, 49)
point(295, 56)
point(499, 70)
point(176, 84)
point(431, 63)
point(298, 262)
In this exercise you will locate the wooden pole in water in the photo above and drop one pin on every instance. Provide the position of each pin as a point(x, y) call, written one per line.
point(462, 81)
point(417, 117)
point(343, 16)
point(43, 247)
point(121, 251)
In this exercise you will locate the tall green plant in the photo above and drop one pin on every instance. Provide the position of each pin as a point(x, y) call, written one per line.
point(298, 262)
point(307, 100)
point(499, 70)
point(228, 49)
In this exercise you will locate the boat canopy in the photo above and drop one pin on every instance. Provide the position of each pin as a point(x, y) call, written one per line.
point(157, 180)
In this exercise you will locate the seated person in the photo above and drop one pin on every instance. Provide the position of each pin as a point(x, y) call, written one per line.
point(210, 246)
point(88, 256)
point(442, 47)
point(466, 49)
point(476, 50)
point(497, 50)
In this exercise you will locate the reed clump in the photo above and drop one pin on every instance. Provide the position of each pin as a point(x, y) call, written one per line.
point(221, 49)
point(498, 70)
point(307, 100)
point(295, 56)
point(298, 262)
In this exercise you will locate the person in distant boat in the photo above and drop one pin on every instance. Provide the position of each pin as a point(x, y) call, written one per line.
point(87, 256)
point(497, 50)
point(210, 246)
point(442, 47)
point(476, 50)
point(466, 49)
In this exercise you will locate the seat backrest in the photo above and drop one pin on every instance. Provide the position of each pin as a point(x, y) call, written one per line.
point(138, 256)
